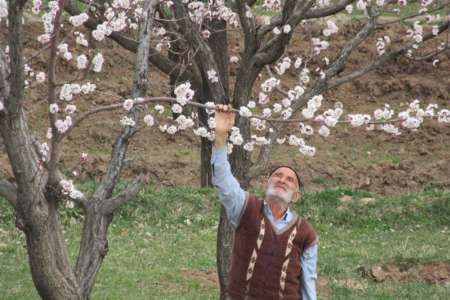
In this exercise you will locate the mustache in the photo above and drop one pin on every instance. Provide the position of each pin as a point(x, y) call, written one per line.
point(285, 196)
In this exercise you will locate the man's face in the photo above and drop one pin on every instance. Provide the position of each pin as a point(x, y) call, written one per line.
point(283, 184)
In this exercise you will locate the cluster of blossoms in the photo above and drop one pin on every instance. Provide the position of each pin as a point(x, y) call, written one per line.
point(79, 20)
point(117, 18)
point(3, 9)
point(319, 45)
point(44, 150)
point(331, 28)
point(283, 65)
point(184, 93)
point(272, 4)
point(63, 125)
point(382, 43)
point(198, 11)
point(68, 90)
point(212, 76)
point(416, 33)
point(69, 189)
point(312, 106)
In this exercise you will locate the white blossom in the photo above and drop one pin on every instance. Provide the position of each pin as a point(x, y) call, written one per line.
point(384, 114)
point(298, 62)
point(149, 120)
point(245, 112)
point(331, 28)
point(201, 131)
point(324, 131)
point(81, 40)
point(206, 34)
point(40, 77)
point(234, 59)
point(357, 120)
point(127, 121)
point(44, 150)
point(97, 61)
point(70, 109)
point(53, 108)
point(263, 98)
point(79, 19)
point(159, 108)
point(444, 116)
point(61, 125)
point(177, 108)
point(307, 150)
point(212, 76)
point(184, 93)
point(287, 28)
point(281, 140)
point(277, 107)
point(172, 129)
point(49, 134)
point(269, 84)
point(249, 146)
point(82, 62)
point(128, 104)
point(184, 122)
point(212, 122)
point(389, 128)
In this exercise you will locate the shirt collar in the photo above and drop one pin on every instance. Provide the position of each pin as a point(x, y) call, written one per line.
point(285, 218)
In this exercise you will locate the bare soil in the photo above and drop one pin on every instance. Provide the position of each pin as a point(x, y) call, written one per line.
point(432, 273)
point(361, 159)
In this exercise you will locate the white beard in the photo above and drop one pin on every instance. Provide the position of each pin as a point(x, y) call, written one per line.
point(284, 196)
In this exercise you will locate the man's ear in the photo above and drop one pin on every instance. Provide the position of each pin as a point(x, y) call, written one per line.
point(296, 196)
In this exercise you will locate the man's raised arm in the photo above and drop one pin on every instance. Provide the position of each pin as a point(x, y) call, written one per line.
point(230, 193)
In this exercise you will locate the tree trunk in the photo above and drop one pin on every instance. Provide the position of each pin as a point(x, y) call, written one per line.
point(219, 46)
point(225, 239)
point(93, 249)
point(49, 262)
point(37, 216)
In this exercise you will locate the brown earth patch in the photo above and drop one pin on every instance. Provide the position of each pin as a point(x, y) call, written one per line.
point(432, 273)
point(372, 161)
point(208, 278)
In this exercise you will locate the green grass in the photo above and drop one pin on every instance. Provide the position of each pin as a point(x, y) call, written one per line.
point(161, 239)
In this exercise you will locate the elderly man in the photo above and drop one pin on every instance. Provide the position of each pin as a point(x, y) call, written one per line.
point(275, 251)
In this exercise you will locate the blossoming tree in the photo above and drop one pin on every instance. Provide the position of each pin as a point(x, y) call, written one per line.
point(191, 46)
point(187, 40)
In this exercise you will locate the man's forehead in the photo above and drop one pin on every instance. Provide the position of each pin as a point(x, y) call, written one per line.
point(285, 170)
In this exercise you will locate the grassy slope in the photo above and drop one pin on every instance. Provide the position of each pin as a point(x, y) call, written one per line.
point(160, 243)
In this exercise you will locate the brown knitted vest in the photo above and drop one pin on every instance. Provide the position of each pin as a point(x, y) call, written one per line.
point(266, 263)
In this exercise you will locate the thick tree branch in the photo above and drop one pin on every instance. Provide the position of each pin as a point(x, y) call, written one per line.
point(381, 60)
point(293, 13)
point(110, 205)
point(109, 181)
point(164, 64)
point(13, 103)
point(55, 146)
point(351, 45)
point(9, 192)
point(249, 28)
point(4, 73)
point(205, 56)
point(327, 11)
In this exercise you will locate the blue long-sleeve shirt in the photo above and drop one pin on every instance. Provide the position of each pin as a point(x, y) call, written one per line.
point(232, 196)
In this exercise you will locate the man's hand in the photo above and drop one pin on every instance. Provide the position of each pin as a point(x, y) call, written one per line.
point(224, 121)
